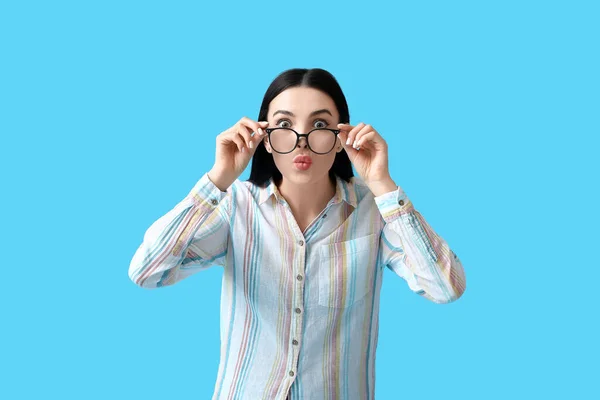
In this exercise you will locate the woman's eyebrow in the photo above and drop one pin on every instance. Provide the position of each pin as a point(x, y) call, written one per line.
point(324, 110)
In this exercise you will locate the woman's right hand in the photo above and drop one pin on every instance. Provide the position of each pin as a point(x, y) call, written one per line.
point(235, 147)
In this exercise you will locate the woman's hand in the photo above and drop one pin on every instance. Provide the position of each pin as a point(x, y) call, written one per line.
point(369, 154)
point(234, 149)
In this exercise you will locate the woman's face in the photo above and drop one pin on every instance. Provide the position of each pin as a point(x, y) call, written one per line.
point(293, 108)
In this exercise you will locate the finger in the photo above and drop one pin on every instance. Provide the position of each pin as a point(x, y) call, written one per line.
point(239, 141)
point(353, 133)
point(257, 132)
point(253, 125)
point(345, 127)
point(343, 138)
point(366, 129)
point(364, 139)
point(256, 138)
point(245, 133)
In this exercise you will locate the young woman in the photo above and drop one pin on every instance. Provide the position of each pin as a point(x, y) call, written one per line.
point(302, 244)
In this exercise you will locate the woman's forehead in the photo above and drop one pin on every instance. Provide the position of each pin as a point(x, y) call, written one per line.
point(301, 102)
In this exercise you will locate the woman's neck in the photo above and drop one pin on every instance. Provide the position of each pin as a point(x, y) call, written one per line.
point(307, 200)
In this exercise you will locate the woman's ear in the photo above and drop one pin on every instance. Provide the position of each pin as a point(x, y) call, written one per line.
point(339, 146)
point(266, 144)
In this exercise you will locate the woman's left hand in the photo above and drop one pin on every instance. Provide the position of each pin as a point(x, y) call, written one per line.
point(371, 160)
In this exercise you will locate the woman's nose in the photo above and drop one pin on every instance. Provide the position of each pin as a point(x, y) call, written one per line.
point(302, 142)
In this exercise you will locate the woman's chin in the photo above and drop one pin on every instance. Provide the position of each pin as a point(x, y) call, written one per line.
point(312, 175)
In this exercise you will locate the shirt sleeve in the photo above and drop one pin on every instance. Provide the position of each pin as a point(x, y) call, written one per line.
point(192, 236)
point(416, 253)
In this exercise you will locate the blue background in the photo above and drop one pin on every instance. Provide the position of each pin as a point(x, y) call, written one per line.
point(108, 117)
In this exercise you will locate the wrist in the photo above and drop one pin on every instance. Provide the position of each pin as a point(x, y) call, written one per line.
point(219, 179)
point(382, 186)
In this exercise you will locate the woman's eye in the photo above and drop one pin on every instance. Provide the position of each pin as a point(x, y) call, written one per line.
point(321, 121)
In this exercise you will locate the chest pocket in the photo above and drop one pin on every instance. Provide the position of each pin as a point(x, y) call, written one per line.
point(347, 270)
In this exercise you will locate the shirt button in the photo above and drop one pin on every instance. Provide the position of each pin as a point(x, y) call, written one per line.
point(299, 277)
point(294, 342)
point(401, 202)
point(291, 373)
point(214, 202)
point(324, 215)
point(301, 243)
point(298, 311)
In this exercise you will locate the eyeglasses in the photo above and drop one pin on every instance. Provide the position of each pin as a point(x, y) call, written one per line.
point(285, 140)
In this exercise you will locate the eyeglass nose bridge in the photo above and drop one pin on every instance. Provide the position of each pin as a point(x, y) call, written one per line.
point(300, 136)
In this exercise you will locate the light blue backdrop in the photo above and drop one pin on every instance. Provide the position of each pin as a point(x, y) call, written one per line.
point(108, 116)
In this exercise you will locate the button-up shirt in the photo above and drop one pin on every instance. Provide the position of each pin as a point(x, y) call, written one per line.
point(299, 310)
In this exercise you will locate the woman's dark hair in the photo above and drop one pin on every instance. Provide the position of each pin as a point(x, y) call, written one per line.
point(263, 166)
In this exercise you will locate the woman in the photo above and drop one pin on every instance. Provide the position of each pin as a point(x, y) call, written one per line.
point(302, 244)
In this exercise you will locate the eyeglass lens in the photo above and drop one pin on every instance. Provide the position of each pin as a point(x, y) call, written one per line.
point(320, 140)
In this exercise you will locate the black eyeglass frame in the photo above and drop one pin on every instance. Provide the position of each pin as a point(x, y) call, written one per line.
point(299, 135)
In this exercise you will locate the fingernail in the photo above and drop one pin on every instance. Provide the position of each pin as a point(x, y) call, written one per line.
point(260, 131)
point(348, 141)
point(251, 145)
point(243, 149)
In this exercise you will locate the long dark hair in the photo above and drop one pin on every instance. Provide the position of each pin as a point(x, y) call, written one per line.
point(263, 166)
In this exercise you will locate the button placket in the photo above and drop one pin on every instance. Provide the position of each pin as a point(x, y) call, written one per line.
point(296, 329)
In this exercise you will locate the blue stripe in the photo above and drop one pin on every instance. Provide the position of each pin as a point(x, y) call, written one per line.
point(311, 232)
point(426, 248)
point(391, 246)
point(164, 277)
point(368, 358)
point(233, 294)
point(347, 333)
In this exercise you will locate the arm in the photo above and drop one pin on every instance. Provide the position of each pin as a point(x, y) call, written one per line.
point(416, 253)
point(190, 237)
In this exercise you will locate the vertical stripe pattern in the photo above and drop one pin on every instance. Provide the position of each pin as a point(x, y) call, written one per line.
point(299, 309)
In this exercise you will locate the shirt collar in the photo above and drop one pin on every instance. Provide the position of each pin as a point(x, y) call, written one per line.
point(344, 191)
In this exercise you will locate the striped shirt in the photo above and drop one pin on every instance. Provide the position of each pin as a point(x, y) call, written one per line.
point(299, 310)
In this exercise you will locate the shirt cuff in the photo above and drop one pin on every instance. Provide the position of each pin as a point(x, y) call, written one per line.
point(394, 204)
point(206, 194)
